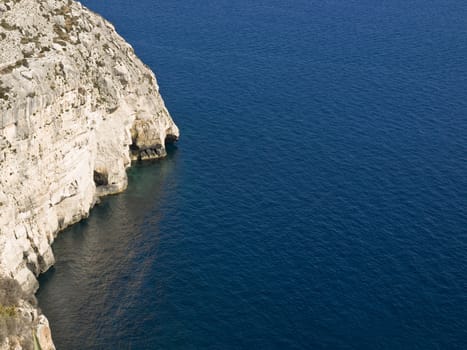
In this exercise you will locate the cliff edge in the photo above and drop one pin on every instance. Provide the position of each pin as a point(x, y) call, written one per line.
point(76, 106)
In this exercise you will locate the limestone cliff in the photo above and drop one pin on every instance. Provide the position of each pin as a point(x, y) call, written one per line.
point(76, 106)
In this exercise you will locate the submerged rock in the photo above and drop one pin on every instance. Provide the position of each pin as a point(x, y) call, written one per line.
point(76, 106)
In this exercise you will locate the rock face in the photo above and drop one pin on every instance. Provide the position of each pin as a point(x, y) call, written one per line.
point(76, 106)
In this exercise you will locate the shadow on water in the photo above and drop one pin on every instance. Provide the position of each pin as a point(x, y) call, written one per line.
point(104, 258)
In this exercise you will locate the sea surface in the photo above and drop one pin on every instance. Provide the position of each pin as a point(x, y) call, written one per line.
point(316, 200)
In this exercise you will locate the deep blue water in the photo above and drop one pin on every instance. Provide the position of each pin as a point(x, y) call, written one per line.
point(316, 200)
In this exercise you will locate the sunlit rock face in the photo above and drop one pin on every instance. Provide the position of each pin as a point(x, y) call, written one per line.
point(76, 106)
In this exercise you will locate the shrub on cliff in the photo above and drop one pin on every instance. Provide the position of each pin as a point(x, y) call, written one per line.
point(11, 293)
point(15, 324)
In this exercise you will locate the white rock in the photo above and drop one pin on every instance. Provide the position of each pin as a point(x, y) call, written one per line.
point(69, 112)
point(27, 74)
point(44, 335)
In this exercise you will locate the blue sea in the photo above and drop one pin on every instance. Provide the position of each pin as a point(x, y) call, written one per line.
point(317, 198)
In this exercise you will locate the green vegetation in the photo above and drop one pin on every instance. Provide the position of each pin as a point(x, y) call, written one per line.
point(37, 346)
point(7, 26)
point(12, 321)
point(62, 35)
point(30, 39)
point(4, 90)
point(7, 311)
point(19, 63)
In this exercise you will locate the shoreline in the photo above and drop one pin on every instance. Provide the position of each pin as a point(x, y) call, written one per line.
point(92, 107)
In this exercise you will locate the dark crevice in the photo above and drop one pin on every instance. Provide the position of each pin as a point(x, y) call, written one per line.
point(170, 139)
point(101, 179)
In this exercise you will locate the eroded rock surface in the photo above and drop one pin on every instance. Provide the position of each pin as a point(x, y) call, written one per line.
point(76, 106)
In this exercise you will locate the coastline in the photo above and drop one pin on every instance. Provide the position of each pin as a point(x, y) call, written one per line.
point(76, 110)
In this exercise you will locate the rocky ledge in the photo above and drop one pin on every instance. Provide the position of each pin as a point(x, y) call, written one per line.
point(76, 107)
